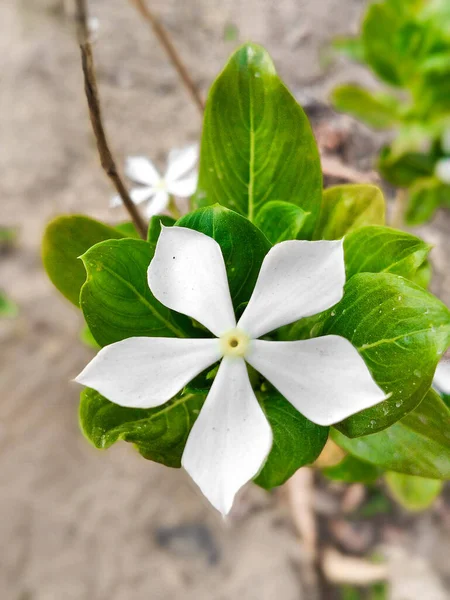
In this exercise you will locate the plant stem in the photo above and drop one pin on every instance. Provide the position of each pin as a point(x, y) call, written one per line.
point(90, 86)
point(166, 42)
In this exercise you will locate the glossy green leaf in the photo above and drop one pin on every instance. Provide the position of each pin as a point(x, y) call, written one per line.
point(8, 308)
point(424, 198)
point(347, 207)
point(352, 470)
point(87, 338)
point(116, 300)
point(296, 441)
point(243, 246)
point(413, 493)
point(280, 221)
point(401, 331)
point(65, 239)
point(404, 169)
point(159, 433)
point(257, 143)
point(376, 109)
point(128, 229)
point(154, 227)
point(377, 249)
point(423, 275)
point(418, 444)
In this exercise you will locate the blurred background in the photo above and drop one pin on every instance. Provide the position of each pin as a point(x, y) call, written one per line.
point(81, 524)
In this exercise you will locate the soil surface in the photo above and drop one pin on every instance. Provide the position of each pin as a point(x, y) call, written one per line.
point(80, 524)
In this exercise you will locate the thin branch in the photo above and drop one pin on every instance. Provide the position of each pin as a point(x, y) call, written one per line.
point(334, 167)
point(90, 86)
point(166, 42)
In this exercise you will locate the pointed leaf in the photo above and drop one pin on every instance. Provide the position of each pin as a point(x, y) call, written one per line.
point(418, 444)
point(243, 246)
point(401, 331)
point(154, 227)
point(65, 239)
point(413, 493)
point(160, 433)
point(347, 207)
point(116, 300)
point(257, 144)
point(280, 221)
point(296, 441)
point(376, 249)
point(377, 110)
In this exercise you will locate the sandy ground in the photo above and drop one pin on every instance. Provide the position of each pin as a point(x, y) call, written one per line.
point(80, 524)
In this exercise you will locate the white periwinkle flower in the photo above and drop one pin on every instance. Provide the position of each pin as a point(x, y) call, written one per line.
point(180, 179)
point(442, 170)
point(441, 379)
point(324, 378)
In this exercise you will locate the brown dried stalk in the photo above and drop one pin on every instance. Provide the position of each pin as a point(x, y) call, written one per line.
point(166, 42)
point(90, 86)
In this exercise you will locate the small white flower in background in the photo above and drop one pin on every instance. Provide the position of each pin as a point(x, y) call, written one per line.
point(441, 379)
point(442, 170)
point(180, 180)
point(324, 378)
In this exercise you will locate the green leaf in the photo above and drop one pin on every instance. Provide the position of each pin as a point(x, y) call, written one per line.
point(243, 246)
point(296, 441)
point(413, 493)
point(376, 109)
point(347, 207)
point(352, 470)
point(8, 308)
point(65, 239)
point(154, 227)
point(128, 229)
point(280, 221)
point(376, 249)
point(424, 198)
point(418, 444)
point(403, 169)
point(401, 331)
point(257, 143)
point(159, 433)
point(351, 47)
point(116, 300)
point(87, 338)
point(423, 275)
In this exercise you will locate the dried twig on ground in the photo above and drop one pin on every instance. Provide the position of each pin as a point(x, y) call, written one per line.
point(166, 42)
point(333, 167)
point(340, 569)
point(90, 86)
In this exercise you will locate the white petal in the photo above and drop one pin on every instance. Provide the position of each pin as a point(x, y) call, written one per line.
point(442, 170)
point(231, 437)
point(158, 204)
point(187, 274)
point(137, 195)
point(324, 378)
point(442, 376)
point(185, 187)
point(297, 279)
point(142, 170)
point(143, 371)
point(180, 162)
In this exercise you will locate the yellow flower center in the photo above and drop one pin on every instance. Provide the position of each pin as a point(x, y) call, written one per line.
point(234, 343)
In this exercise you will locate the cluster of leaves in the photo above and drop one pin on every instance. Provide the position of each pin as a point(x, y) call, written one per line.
point(260, 183)
point(406, 43)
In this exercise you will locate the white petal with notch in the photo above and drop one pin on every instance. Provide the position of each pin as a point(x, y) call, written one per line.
point(143, 372)
point(230, 439)
point(323, 378)
point(142, 170)
point(187, 274)
point(297, 279)
point(180, 162)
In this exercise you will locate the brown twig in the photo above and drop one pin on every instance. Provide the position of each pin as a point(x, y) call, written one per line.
point(90, 86)
point(166, 42)
point(334, 167)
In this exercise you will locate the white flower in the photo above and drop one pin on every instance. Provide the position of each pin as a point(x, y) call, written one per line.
point(441, 379)
point(442, 170)
point(180, 179)
point(324, 378)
